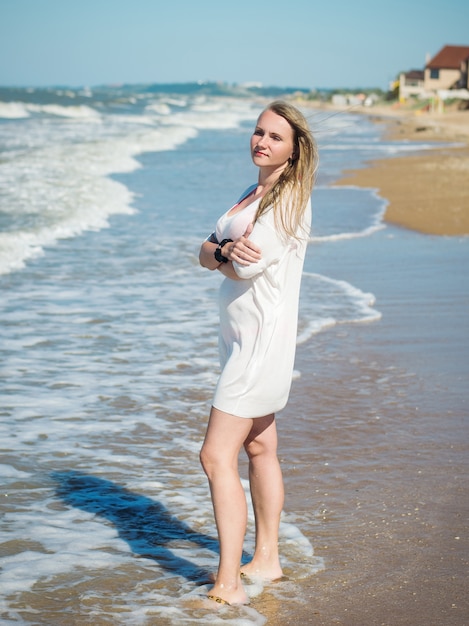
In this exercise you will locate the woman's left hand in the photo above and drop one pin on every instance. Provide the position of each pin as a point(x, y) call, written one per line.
point(243, 250)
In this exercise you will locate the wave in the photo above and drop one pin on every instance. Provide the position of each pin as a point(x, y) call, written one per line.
point(346, 212)
point(326, 302)
point(13, 110)
point(18, 110)
point(54, 173)
point(109, 198)
point(59, 191)
point(206, 114)
point(344, 236)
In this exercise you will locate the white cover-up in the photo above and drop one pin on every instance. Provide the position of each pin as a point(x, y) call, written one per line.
point(259, 316)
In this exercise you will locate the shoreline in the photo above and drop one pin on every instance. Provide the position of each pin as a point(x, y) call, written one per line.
point(426, 191)
point(374, 446)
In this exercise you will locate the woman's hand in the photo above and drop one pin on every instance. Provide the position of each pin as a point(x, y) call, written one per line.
point(242, 251)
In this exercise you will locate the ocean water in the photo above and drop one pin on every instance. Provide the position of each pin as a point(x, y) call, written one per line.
point(108, 342)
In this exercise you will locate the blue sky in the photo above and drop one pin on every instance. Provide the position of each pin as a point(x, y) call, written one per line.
point(299, 44)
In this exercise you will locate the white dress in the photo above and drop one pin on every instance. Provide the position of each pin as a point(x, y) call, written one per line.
point(258, 317)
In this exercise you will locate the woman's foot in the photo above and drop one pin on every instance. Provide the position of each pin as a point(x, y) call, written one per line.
point(263, 571)
point(217, 599)
point(221, 594)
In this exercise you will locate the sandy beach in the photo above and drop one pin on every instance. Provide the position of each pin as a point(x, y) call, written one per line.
point(428, 192)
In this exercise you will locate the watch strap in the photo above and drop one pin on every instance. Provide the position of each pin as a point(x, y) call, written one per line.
point(218, 255)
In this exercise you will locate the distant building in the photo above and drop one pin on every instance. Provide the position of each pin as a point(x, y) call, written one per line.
point(448, 69)
point(411, 84)
point(445, 76)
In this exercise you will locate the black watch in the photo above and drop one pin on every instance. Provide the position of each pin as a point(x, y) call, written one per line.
point(218, 255)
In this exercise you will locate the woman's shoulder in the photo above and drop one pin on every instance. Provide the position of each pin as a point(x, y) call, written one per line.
point(246, 192)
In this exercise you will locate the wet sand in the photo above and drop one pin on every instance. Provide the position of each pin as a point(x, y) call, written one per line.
point(382, 472)
point(374, 442)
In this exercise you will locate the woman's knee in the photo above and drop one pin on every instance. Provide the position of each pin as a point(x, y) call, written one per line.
point(260, 450)
point(223, 441)
point(212, 460)
point(206, 459)
point(262, 441)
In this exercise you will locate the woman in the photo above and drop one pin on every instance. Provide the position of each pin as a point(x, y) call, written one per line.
point(259, 246)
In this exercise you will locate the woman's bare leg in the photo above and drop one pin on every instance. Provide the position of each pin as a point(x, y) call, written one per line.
point(219, 457)
point(267, 494)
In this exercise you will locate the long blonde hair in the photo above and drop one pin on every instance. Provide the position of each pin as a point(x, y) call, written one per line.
point(290, 194)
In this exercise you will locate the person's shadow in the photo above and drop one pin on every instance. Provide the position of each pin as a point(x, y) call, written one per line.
point(146, 525)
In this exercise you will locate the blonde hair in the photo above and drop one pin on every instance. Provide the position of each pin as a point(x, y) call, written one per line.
point(290, 194)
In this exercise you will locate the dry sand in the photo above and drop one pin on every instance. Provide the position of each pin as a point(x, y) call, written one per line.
point(428, 191)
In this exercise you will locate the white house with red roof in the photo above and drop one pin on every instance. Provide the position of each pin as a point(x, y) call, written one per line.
point(446, 75)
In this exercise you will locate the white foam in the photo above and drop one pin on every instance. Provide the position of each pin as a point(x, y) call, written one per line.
point(326, 302)
point(344, 236)
point(13, 110)
point(66, 186)
point(10, 472)
point(214, 115)
point(159, 107)
point(105, 198)
point(309, 328)
point(63, 181)
point(350, 210)
point(78, 112)
point(17, 110)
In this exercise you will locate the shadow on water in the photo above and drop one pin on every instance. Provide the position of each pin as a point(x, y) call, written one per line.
point(146, 525)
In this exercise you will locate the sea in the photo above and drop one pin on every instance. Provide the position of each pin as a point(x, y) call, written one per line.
point(108, 340)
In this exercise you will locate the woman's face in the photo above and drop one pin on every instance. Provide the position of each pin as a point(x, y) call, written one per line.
point(272, 142)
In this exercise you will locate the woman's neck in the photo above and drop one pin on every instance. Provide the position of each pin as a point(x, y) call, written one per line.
point(268, 178)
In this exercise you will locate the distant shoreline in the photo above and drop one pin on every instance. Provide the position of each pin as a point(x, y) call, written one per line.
point(427, 191)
